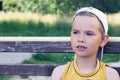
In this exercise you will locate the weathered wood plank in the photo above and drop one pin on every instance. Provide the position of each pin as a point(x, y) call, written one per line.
point(112, 47)
point(31, 69)
point(45, 46)
point(27, 69)
point(32, 46)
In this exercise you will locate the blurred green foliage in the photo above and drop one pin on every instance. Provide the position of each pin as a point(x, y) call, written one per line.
point(15, 28)
point(59, 28)
point(65, 7)
point(5, 77)
point(50, 58)
point(111, 57)
point(63, 58)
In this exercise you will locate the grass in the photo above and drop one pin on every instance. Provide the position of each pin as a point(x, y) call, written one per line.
point(113, 19)
point(63, 58)
point(111, 57)
point(114, 24)
point(5, 77)
point(27, 24)
point(50, 58)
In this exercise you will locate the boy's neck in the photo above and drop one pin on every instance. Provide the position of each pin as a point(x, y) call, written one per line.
point(86, 65)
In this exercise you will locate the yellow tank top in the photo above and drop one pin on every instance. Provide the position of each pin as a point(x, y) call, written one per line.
point(72, 72)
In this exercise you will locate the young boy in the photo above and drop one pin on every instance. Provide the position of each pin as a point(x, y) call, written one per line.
point(88, 35)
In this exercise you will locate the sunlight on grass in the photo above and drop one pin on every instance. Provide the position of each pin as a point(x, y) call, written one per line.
point(26, 16)
point(114, 19)
point(49, 18)
point(22, 17)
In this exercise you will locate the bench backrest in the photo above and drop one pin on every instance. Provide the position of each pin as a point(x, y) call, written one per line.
point(43, 44)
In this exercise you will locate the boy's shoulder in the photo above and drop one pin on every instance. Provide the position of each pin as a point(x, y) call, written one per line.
point(57, 72)
point(112, 74)
point(60, 68)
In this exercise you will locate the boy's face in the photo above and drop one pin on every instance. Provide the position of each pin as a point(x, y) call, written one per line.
point(86, 36)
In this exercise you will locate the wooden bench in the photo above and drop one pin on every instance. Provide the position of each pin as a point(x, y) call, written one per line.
point(43, 44)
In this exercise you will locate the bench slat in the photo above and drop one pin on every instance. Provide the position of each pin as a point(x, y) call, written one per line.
point(27, 69)
point(31, 69)
point(45, 46)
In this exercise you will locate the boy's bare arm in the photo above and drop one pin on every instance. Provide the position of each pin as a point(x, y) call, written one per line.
point(112, 74)
point(57, 72)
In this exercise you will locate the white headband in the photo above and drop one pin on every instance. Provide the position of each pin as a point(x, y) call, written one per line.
point(98, 13)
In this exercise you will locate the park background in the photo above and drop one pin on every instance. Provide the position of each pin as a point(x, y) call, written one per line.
point(36, 18)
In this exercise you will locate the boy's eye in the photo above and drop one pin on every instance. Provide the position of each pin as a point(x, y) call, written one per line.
point(90, 34)
point(75, 32)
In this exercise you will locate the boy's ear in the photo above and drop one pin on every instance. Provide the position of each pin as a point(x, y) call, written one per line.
point(104, 41)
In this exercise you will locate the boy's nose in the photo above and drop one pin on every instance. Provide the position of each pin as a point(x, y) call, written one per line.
point(81, 39)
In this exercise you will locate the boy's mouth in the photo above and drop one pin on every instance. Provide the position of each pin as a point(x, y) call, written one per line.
point(81, 48)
